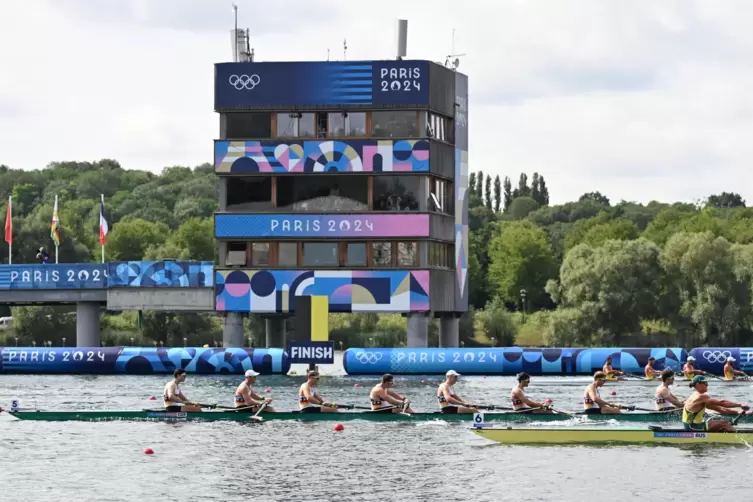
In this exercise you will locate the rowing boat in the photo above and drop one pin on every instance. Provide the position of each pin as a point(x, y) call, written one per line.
point(211, 416)
point(572, 435)
point(630, 381)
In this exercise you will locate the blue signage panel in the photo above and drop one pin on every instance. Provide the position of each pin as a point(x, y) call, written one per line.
point(305, 352)
point(61, 276)
point(507, 360)
point(270, 84)
point(141, 360)
point(321, 225)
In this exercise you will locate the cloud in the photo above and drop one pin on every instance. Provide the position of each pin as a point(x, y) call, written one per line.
point(640, 100)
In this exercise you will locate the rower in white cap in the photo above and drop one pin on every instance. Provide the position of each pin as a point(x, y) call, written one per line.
point(449, 401)
point(729, 369)
point(689, 370)
point(246, 398)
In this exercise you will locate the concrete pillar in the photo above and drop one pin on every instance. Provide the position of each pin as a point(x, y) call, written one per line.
point(449, 332)
point(232, 330)
point(418, 331)
point(87, 325)
point(275, 327)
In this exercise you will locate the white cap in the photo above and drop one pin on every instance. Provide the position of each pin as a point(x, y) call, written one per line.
point(730, 358)
point(251, 373)
point(452, 373)
point(691, 358)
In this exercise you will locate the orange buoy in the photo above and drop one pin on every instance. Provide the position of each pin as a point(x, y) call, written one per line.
point(148, 451)
point(339, 427)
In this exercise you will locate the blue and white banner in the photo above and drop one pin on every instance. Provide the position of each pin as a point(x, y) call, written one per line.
point(62, 276)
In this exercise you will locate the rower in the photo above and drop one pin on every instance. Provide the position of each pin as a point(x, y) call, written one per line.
point(611, 373)
point(663, 397)
point(697, 404)
point(247, 399)
point(309, 400)
point(729, 370)
point(593, 404)
point(385, 400)
point(449, 401)
point(173, 398)
point(649, 370)
point(520, 402)
point(689, 370)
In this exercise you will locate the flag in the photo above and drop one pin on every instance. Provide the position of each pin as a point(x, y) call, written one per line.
point(9, 225)
point(103, 228)
point(54, 231)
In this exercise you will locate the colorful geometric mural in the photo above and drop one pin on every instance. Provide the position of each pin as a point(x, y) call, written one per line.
point(461, 191)
point(155, 274)
point(348, 291)
point(321, 156)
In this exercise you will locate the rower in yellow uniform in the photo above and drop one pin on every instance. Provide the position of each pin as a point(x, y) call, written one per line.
point(520, 402)
point(649, 370)
point(449, 400)
point(729, 370)
point(611, 373)
point(696, 405)
point(663, 397)
point(309, 400)
point(688, 369)
point(173, 398)
point(246, 398)
point(385, 400)
point(593, 404)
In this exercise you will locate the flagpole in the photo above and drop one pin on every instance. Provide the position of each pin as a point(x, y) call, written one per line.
point(102, 199)
point(10, 221)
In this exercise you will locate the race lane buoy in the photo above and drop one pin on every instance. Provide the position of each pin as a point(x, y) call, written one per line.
point(339, 427)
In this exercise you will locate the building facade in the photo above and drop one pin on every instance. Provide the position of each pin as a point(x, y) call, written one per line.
point(342, 179)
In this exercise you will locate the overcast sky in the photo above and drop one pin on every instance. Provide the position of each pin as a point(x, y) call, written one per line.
point(639, 99)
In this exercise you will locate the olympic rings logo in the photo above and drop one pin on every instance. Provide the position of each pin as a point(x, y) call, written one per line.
point(716, 356)
point(241, 82)
point(368, 357)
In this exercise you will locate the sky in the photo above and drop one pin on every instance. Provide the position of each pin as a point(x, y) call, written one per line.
point(641, 100)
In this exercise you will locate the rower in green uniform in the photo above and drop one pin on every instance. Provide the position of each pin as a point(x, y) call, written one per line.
point(693, 411)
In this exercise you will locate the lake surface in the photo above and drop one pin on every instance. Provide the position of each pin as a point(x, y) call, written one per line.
point(368, 461)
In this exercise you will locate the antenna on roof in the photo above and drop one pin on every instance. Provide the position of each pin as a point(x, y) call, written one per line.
point(402, 38)
point(327, 54)
point(345, 50)
point(449, 62)
point(241, 41)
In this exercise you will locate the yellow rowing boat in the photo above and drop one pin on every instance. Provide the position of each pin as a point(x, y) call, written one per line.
point(574, 435)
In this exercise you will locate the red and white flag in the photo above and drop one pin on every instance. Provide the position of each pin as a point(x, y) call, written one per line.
point(103, 228)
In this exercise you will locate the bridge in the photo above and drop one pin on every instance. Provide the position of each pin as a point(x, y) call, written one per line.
point(177, 286)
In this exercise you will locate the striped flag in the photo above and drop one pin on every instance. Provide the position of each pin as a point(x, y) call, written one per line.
point(103, 228)
point(54, 231)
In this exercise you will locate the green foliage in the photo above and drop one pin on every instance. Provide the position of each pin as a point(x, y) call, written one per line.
point(522, 206)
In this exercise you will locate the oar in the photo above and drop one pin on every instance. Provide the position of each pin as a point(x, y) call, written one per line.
point(210, 406)
point(737, 418)
point(261, 408)
point(493, 407)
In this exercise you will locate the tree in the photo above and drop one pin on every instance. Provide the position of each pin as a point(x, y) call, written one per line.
point(523, 190)
point(613, 287)
point(130, 239)
point(522, 207)
point(497, 194)
point(521, 258)
point(596, 197)
point(472, 182)
point(535, 195)
point(488, 192)
point(543, 192)
point(480, 184)
point(508, 193)
point(725, 200)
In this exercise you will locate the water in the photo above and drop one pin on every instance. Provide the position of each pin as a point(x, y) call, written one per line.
point(296, 461)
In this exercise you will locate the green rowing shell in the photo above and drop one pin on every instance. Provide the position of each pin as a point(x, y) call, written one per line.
point(211, 416)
